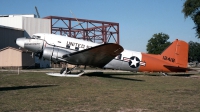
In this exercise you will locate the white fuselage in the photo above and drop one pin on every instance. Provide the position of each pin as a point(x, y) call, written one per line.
point(72, 45)
point(59, 48)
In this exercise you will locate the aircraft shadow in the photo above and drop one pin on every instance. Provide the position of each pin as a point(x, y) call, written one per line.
point(113, 76)
point(24, 87)
point(170, 74)
point(178, 75)
point(181, 75)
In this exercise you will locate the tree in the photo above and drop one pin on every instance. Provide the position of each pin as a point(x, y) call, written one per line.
point(158, 43)
point(192, 8)
point(194, 52)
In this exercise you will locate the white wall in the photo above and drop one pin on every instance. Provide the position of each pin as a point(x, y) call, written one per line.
point(36, 25)
point(15, 22)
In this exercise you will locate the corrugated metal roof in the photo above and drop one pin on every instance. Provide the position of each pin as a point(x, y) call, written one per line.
point(10, 48)
point(12, 28)
point(20, 50)
point(22, 15)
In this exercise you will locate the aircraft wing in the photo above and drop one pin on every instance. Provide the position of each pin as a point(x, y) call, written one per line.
point(97, 56)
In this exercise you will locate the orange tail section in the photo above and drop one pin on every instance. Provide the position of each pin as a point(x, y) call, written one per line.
point(177, 53)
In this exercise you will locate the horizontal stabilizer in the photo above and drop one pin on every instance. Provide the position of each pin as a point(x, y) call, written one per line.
point(177, 68)
point(97, 56)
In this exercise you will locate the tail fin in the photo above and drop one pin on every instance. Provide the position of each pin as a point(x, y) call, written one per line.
point(177, 53)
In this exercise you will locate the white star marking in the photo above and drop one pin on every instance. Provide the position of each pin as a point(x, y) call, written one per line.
point(134, 62)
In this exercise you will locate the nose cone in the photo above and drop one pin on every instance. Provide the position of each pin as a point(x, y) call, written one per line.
point(20, 42)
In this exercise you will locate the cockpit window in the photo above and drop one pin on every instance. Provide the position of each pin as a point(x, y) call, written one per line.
point(35, 37)
point(38, 37)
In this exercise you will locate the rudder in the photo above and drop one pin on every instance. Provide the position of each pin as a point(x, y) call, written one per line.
point(177, 53)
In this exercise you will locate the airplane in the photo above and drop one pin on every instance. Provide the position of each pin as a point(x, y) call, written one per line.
point(58, 48)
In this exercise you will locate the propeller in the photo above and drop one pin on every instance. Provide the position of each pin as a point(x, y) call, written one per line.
point(40, 55)
point(32, 54)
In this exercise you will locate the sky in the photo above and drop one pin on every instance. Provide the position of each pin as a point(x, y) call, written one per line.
point(138, 19)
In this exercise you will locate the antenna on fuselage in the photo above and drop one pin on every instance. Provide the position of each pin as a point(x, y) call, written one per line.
point(38, 15)
point(79, 24)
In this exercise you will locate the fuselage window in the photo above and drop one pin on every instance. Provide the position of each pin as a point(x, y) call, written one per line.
point(76, 48)
point(68, 46)
point(35, 37)
point(38, 37)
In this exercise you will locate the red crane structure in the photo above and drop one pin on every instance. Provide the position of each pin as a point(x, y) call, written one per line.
point(90, 30)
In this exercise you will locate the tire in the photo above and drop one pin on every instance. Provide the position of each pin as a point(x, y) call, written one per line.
point(62, 70)
point(68, 71)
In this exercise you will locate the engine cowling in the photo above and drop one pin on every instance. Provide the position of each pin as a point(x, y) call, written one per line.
point(54, 54)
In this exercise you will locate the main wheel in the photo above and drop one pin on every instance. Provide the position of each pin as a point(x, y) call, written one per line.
point(62, 70)
point(68, 71)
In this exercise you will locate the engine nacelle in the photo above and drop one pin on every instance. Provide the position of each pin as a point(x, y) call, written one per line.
point(54, 54)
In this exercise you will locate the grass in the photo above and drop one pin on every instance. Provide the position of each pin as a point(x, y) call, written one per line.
point(98, 92)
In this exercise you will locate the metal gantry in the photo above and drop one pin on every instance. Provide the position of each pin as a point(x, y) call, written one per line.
point(90, 30)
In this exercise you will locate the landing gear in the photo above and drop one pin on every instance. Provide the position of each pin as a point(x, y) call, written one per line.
point(165, 74)
point(62, 70)
point(66, 72)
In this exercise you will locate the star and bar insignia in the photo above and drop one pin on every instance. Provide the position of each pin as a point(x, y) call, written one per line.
point(134, 62)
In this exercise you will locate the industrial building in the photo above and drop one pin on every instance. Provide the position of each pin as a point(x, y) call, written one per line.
point(15, 26)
